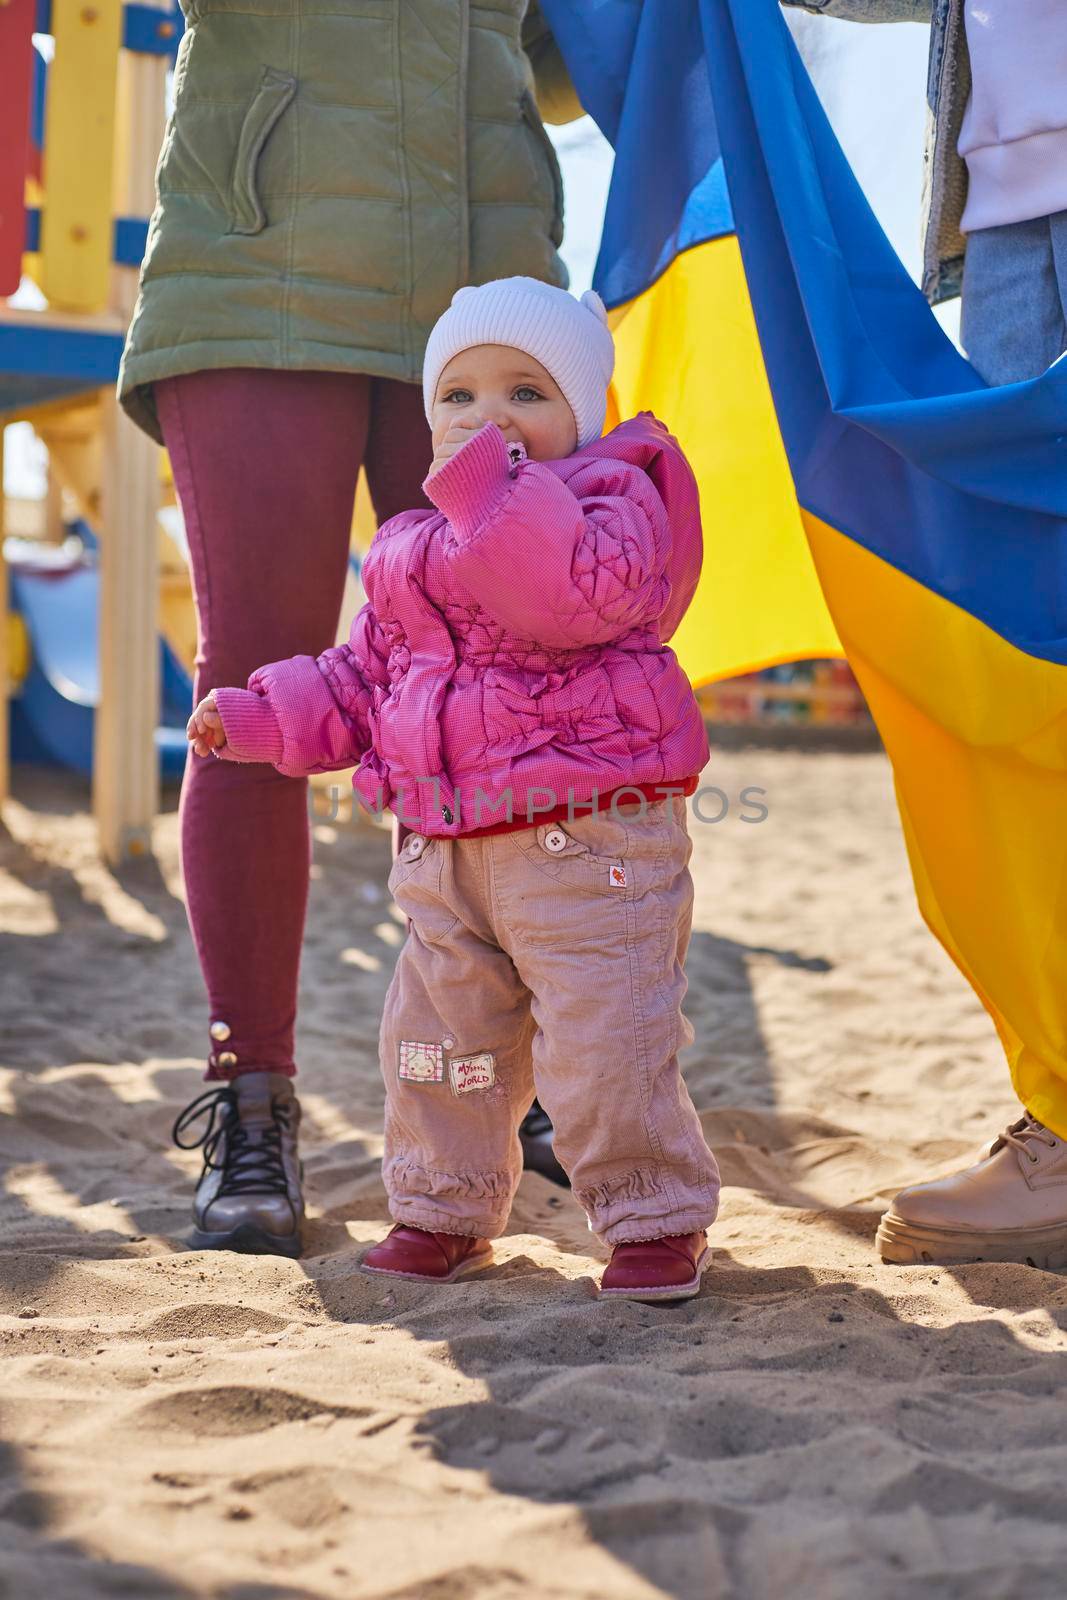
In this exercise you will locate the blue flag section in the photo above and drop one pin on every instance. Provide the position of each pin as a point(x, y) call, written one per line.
point(848, 438)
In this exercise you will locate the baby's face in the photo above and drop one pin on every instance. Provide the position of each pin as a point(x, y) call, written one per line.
point(494, 383)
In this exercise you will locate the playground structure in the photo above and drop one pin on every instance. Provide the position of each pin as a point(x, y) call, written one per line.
point(79, 136)
point(100, 640)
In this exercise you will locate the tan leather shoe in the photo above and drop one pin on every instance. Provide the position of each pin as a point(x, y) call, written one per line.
point(1010, 1206)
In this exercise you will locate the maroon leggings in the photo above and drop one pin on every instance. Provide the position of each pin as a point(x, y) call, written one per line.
point(265, 464)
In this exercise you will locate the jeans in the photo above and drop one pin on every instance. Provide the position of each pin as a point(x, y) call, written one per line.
point(1014, 322)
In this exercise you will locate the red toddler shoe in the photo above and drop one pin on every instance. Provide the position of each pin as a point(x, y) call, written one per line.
point(434, 1257)
point(657, 1269)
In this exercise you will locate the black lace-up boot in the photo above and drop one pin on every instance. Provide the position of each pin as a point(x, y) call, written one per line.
point(249, 1197)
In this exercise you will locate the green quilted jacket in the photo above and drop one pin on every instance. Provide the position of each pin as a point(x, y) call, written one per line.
point(331, 174)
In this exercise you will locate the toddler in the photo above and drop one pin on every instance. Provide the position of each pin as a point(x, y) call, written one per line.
point(508, 691)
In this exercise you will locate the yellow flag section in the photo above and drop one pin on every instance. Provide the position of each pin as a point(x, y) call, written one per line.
point(687, 350)
point(978, 733)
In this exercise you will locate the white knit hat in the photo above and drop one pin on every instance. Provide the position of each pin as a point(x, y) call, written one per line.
point(569, 337)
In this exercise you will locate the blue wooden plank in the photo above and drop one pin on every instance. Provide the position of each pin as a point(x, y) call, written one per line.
point(130, 239)
point(152, 32)
point(19, 391)
point(146, 29)
point(84, 356)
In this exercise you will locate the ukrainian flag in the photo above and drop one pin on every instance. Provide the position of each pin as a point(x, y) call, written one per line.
point(853, 467)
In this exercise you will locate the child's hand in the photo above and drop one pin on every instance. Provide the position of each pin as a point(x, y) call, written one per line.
point(204, 729)
point(453, 441)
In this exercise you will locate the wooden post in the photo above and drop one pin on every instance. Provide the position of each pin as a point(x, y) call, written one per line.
point(125, 760)
point(54, 530)
point(16, 76)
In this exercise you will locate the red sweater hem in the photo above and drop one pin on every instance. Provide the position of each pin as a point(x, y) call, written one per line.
point(574, 810)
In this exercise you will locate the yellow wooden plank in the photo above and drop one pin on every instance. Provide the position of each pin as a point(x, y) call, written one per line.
point(79, 153)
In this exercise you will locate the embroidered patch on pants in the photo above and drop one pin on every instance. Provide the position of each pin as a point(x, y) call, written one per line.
point(421, 1063)
point(617, 875)
point(472, 1072)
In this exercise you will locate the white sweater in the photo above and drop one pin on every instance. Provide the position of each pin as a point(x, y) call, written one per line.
point(1014, 133)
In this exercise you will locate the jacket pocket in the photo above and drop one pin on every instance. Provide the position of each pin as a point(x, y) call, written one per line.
point(275, 94)
point(532, 118)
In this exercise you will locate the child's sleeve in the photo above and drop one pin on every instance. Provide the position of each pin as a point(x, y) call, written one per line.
point(309, 714)
point(561, 570)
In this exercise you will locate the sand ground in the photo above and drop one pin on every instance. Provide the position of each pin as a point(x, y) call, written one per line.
point(816, 1424)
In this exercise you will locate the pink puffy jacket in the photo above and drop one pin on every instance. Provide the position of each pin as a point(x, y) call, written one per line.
point(513, 640)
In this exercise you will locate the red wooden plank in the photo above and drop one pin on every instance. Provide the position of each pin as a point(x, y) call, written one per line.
point(16, 79)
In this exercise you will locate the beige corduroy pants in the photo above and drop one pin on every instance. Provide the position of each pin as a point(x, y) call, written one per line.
point(547, 959)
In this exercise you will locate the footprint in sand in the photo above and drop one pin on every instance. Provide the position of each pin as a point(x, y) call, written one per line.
point(234, 1410)
point(304, 1498)
point(209, 1320)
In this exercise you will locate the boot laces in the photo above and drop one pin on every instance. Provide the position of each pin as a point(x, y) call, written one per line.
point(247, 1166)
point(1018, 1135)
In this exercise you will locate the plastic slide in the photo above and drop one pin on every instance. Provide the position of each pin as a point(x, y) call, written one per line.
point(52, 711)
point(52, 708)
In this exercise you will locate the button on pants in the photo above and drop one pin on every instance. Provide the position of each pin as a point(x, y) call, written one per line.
point(551, 960)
